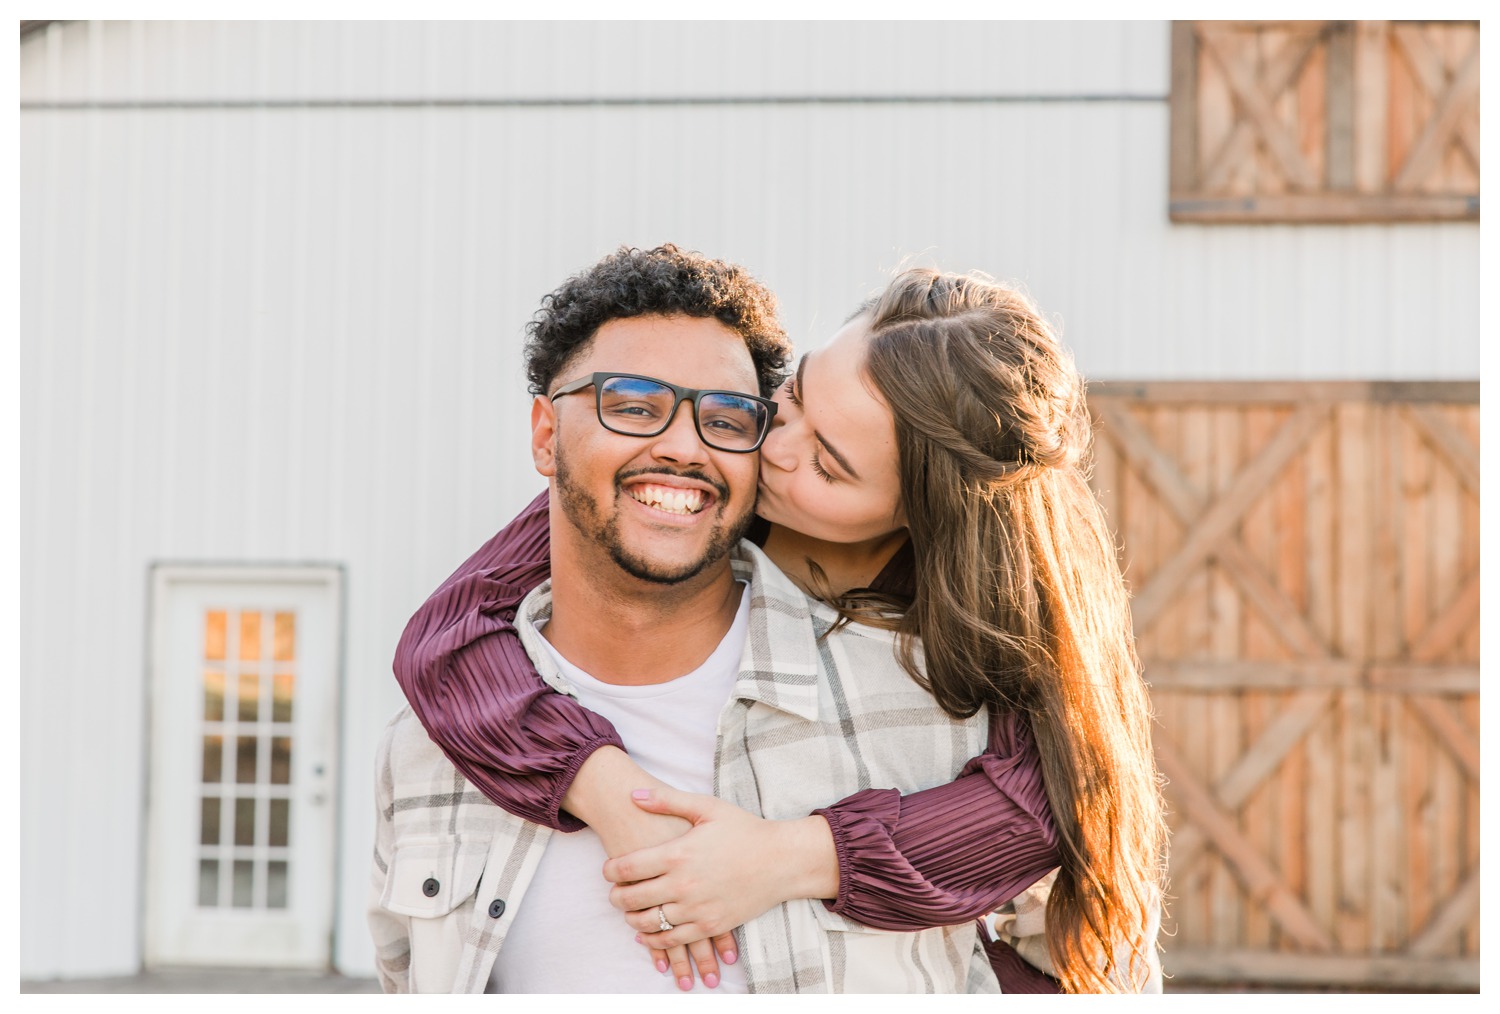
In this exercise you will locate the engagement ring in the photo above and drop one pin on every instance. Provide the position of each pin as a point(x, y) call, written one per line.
point(662, 919)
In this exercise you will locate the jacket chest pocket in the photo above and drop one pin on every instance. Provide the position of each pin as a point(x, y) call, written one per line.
point(432, 881)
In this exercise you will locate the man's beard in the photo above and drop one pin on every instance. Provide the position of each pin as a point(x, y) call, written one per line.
point(585, 514)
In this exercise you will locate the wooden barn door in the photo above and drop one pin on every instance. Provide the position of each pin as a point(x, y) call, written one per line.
point(1304, 563)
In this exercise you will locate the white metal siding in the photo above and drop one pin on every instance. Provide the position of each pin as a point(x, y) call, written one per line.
point(292, 334)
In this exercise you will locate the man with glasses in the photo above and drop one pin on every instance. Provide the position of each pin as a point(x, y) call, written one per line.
point(650, 372)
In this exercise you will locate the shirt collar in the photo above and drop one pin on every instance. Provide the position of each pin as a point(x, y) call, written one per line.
point(780, 664)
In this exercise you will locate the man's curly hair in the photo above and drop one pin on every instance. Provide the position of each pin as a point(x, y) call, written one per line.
point(667, 281)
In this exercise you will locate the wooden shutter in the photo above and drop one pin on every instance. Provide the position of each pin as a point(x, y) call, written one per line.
point(1324, 121)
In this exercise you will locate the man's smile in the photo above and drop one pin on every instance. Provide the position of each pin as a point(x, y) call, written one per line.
point(666, 498)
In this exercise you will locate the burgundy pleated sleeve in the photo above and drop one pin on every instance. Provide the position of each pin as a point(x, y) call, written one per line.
point(949, 853)
point(932, 858)
point(477, 693)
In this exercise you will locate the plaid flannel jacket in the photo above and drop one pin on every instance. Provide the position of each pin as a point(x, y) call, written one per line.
point(808, 721)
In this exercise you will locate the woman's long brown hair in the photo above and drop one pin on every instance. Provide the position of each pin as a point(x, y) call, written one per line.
point(1019, 600)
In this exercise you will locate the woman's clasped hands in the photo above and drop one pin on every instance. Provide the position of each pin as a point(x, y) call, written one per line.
point(728, 868)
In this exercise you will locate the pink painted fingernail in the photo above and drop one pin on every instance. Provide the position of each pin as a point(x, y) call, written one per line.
point(684, 983)
point(638, 939)
point(662, 966)
point(729, 957)
point(641, 794)
point(710, 980)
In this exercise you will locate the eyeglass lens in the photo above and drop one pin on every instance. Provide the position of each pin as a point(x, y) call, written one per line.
point(643, 408)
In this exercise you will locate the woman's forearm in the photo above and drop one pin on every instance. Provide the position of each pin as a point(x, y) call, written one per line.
point(600, 795)
point(809, 858)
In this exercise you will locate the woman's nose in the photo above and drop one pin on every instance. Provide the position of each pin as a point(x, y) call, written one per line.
point(777, 449)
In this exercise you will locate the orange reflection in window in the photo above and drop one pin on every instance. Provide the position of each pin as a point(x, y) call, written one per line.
point(213, 695)
point(284, 686)
point(249, 710)
point(249, 636)
point(286, 637)
point(214, 629)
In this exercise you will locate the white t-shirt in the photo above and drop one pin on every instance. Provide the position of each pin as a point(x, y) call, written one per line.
point(567, 937)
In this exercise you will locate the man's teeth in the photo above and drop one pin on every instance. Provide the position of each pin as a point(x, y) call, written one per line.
point(675, 501)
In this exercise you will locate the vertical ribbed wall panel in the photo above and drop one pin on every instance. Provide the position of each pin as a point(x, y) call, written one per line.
point(272, 333)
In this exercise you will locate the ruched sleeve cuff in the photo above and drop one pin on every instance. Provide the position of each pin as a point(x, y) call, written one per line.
point(948, 854)
point(861, 826)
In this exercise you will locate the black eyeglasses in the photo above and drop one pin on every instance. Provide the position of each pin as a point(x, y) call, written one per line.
point(644, 406)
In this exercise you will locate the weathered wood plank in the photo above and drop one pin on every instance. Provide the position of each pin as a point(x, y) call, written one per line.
point(1224, 710)
point(1320, 790)
point(1454, 767)
point(1449, 569)
point(1190, 613)
point(1387, 820)
point(1183, 108)
point(1352, 641)
point(1370, 90)
point(1260, 881)
point(1469, 936)
point(1263, 787)
point(1251, 392)
point(1340, 104)
point(1201, 674)
point(1205, 965)
point(1307, 101)
point(1327, 206)
point(1421, 832)
point(1388, 831)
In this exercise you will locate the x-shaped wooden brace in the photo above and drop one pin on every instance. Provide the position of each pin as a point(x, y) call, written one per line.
point(1452, 102)
point(1210, 532)
point(1256, 97)
point(1283, 69)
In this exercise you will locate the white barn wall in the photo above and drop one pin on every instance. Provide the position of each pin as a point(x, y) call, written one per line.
point(278, 333)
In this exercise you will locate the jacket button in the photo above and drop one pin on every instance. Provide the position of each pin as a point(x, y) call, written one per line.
point(430, 887)
point(497, 908)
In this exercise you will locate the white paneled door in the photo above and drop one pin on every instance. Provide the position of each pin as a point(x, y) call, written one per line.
point(244, 726)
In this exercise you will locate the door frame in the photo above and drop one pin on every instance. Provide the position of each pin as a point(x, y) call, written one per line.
point(161, 576)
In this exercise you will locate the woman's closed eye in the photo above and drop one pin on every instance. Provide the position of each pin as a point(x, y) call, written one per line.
point(791, 391)
point(820, 471)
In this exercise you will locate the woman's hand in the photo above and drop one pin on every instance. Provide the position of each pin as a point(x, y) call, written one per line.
point(728, 869)
point(600, 796)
